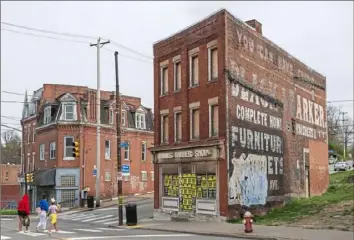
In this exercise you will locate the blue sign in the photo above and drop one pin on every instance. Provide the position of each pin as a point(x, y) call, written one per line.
point(124, 144)
point(125, 170)
point(94, 172)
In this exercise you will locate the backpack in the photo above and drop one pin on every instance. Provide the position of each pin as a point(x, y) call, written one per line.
point(26, 221)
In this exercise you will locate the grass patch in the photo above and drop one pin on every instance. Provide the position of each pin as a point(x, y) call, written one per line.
point(8, 212)
point(339, 190)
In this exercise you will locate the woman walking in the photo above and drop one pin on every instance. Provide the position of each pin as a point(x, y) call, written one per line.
point(23, 211)
point(52, 211)
point(43, 206)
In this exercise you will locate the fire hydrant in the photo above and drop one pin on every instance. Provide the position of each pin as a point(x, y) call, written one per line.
point(247, 221)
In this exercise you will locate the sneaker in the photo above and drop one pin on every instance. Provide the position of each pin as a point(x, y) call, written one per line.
point(37, 228)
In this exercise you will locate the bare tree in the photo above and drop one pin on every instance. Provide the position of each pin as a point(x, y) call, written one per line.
point(10, 147)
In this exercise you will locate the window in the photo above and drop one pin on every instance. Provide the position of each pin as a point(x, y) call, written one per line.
point(164, 80)
point(69, 111)
point(107, 151)
point(68, 198)
point(33, 133)
point(47, 115)
point(164, 129)
point(123, 119)
point(41, 151)
point(67, 181)
point(194, 70)
point(213, 120)
point(143, 151)
point(140, 120)
point(152, 176)
point(126, 152)
point(68, 150)
point(177, 76)
point(213, 63)
point(107, 176)
point(194, 124)
point(143, 176)
point(52, 150)
point(28, 134)
point(111, 116)
point(178, 126)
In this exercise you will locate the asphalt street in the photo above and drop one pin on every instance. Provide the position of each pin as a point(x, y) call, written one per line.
point(71, 230)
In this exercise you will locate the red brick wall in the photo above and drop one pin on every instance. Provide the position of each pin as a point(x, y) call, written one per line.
point(10, 187)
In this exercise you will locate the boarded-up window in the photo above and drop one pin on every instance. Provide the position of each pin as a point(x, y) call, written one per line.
point(164, 129)
point(213, 63)
point(214, 120)
point(164, 80)
point(195, 124)
point(177, 79)
point(194, 70)
point(178, 127)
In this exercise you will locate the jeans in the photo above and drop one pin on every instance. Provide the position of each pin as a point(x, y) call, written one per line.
point(43, 220)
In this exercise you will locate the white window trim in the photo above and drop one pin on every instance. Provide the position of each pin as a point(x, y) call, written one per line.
point(191, 69)
point(50, 150)
point(175, 124)
point(210, 49)
point(145, 174)
point(191, 122)
point(110, 150)
point(107, 174)
point(123, 118)
point(210, 120)
point(111, 116)
point(162, 80)
point(41, 152)
point(152, 174)
point(145, 152)
point(126, 150)
point(174, 75)
point(33, 129)
point(67, 105)
point(141, 123)
point(47, 111)
point(162, 128)
point(67, 158)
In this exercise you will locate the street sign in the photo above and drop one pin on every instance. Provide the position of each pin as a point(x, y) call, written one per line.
point(94, 172)
point(124, 144)
point(120, 176)
point(125, 170)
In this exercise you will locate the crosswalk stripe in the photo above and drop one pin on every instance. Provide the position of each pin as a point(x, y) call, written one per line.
point(83, 217)
point(107, 219)
point(116, 221)
point(88, 230)
point(111, 229)
point(61, 231)
point(89, 220)
point(4, 237)
point(32, 234)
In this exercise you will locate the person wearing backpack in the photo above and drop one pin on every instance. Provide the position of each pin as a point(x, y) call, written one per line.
point(23, 211)
point(43, 209)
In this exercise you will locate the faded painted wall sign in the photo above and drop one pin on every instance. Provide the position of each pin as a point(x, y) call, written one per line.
point(256, 149)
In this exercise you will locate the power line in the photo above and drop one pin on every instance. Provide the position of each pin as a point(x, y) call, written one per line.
point(47, 31)
point(14, 93)
point(12, 118)
point(137, 59)
point(339, 101)
point(131, 50)
point(16, 129)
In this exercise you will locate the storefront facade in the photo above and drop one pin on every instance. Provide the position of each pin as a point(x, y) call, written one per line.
point(189, 181)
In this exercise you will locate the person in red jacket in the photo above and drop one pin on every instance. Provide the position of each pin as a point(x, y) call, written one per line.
point(23, 210)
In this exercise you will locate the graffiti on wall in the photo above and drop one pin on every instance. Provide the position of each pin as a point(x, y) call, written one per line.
point(256, 148)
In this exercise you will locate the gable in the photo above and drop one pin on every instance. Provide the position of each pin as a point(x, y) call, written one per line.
point(68, 97)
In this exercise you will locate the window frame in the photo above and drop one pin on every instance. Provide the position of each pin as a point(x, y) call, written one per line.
point(41, 151)
point(177, 81)
point(210, 63)
point(122, 120)
point(211, 118)
point(126, 150)
point(144, 173)
point(111, 116)
point(176, 126)
point(191, 121)
point(192, 81)
point(47, 119)
point(143, 151)
point(66, 112)
point(164, 87)
point(105, 149)
point(51, 150)
point(162, 131)
point(65, 148)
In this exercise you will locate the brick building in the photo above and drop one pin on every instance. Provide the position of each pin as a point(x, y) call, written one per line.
point(10, 185)
point(240, 122)
point(58, 115)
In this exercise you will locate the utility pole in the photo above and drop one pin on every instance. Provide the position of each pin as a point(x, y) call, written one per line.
point(344, 133)
point(98, 45)
point(119, 160)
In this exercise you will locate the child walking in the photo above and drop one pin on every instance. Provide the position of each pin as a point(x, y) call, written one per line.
point(53, 211)
point(43, 208)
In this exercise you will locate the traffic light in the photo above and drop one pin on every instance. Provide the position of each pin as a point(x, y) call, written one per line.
point(29, 177)
point(32, 177)
point(76, 149)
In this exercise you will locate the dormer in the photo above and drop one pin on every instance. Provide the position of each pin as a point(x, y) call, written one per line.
point(68, 108)
point(140, 118)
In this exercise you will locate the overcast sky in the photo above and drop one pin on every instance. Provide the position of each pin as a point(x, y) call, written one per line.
point(318, 33)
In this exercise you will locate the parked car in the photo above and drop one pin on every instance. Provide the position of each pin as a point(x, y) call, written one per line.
point(341, 166)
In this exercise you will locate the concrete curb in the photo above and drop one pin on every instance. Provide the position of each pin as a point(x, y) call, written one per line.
point(8, 216)
point(227, 235)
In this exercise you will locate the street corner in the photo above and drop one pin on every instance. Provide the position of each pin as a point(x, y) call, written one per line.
point(138, 226)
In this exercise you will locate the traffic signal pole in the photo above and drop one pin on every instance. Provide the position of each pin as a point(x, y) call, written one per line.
point(119, 160)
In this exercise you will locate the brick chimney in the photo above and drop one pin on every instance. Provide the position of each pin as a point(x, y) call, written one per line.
point(256, 25)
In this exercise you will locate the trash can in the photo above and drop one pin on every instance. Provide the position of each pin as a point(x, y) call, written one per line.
point(131, 214)
point(90, 202)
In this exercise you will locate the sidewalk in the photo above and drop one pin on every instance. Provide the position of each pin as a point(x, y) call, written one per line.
point(218, 229)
